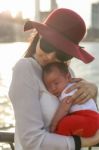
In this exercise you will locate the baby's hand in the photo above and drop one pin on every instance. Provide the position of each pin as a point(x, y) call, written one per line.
point(61, 111)
point(65, 104)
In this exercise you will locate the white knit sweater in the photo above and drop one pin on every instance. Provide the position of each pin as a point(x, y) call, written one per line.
point(31, 104)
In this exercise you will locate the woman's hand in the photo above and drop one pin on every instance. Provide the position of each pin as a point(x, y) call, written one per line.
point(86, 90)
point(90, 141)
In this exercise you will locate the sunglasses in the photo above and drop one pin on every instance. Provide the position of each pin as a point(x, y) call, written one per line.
point(48, 48)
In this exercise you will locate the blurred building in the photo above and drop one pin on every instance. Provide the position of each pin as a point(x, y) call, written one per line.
point(11, 29)
point(40, 15)
point(95, 16)
point(93, 31)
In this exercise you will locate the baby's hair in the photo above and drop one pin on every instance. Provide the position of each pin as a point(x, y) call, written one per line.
point(63, 67)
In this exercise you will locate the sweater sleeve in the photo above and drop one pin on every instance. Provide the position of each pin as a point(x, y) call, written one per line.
point(24, 95)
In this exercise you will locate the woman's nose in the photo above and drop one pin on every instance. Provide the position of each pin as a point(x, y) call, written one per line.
point(49, 57)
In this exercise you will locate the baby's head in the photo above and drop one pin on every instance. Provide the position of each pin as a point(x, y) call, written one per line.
point(56, 77)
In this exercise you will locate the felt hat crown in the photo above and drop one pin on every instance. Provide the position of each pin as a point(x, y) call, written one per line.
point(64, 29)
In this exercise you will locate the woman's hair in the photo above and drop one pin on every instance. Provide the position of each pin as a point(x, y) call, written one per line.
point(32, 47)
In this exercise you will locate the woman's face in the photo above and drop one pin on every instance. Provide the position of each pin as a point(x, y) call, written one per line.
point(44, 58)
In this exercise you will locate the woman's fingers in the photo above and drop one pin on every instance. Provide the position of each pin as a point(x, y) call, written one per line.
point(81, 95)
point(82, 99)
point(77, 85)
point(75, 80)
point(85, 91)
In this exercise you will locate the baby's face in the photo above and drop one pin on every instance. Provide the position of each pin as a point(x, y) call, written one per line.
point(55, 81)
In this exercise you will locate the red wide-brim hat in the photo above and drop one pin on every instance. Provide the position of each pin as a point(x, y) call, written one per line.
point(64, 29)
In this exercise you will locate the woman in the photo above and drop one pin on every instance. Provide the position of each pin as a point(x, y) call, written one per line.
point(56, 40)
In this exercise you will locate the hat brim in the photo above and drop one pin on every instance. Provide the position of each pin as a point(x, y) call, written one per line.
point(59, 41)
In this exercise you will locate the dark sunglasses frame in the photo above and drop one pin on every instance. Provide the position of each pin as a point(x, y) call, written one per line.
point(48, 48)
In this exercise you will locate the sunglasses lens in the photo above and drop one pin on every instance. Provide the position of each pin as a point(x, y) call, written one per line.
point(48, 48)
point(45, 46)
point(62, 56)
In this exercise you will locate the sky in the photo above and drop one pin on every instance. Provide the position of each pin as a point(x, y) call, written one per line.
point(83, 7)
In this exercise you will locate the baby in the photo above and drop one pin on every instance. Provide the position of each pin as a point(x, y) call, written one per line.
point(69, 119)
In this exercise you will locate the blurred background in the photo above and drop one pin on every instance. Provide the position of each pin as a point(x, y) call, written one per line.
point(14, 42)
